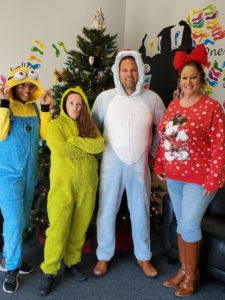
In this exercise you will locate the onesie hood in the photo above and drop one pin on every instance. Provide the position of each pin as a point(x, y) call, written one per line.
point(115, 68)
point(22, 74)
point(77, 90)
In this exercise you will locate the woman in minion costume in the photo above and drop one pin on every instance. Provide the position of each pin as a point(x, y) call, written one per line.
point(73, 140)
point(21, 125)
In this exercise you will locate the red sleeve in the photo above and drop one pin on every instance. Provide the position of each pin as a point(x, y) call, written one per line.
point(158, 165)
point(216, 177)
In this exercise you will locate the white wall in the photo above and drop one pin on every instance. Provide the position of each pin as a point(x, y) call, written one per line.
point(51, 21)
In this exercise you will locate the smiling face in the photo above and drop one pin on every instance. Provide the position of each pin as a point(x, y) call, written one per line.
point(24, 91)
point(74, 106)
point(191, 80)
point(128, 74)
point(25, 84)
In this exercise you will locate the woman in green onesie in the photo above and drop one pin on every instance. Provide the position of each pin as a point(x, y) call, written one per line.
point(73, 140)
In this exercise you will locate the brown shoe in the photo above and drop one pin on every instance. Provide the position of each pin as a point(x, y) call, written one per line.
point(147, 268)
point(100, 268)
point(174, 281)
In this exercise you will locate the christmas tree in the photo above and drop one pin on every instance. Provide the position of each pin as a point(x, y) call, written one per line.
point(90, 66)
point(38, 216)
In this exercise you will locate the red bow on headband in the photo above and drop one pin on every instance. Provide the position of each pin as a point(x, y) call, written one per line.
point(198, 54)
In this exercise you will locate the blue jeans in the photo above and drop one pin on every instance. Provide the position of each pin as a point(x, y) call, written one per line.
point(189, 205)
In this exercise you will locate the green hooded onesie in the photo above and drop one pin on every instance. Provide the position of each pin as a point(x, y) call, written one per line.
point(73, 186)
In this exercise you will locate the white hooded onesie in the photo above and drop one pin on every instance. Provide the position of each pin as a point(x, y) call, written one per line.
point(126, 123)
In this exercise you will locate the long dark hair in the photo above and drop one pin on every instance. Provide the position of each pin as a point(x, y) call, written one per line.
point(86, 126)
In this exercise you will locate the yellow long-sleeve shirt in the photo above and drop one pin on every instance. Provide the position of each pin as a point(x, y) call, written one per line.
point(19, 109)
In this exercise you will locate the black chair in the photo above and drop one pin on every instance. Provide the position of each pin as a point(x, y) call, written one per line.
point(212, 258)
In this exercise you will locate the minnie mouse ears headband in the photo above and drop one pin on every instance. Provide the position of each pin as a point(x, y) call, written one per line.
point(198, 54)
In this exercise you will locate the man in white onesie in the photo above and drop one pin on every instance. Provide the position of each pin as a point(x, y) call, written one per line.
point(126, 115)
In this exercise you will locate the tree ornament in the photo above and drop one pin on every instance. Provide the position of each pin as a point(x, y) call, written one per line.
point(58, 75)
point(99, 21)
point(86, 72)
point(100, 74)
point(91, 60)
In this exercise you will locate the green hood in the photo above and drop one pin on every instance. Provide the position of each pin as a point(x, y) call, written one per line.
point(77, 90)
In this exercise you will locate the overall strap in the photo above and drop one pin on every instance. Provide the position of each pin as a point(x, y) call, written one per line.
point(37, 111)
point(11, 116)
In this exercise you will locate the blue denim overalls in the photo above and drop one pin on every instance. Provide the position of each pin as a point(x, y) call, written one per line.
point(18, 165)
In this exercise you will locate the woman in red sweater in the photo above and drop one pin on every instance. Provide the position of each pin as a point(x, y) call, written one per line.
point(191, 158)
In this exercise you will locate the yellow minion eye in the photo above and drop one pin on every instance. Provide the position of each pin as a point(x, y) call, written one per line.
point(19, 75)
point(32, 74)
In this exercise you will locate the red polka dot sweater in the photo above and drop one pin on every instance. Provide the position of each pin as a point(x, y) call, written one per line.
point(192, 143)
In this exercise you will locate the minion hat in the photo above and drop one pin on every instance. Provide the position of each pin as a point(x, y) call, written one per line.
point(22, 74)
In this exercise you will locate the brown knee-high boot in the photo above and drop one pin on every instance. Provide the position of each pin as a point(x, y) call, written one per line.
point(188, 286)
point(179, 277)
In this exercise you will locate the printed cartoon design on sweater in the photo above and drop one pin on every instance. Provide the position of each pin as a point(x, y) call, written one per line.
point(174, 139)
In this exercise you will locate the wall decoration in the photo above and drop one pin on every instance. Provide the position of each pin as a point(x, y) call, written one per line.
point(161, 69)
point(57, 51)
point(176, 37)
point(147, 69)
point(180, 35)
point(3, 80)
point(147, 81)
point(205, 25)
point(40, 44)
point(201, 26)
point(206, 29)
point(33, 66)
point(154, 47)
point(33, 58)
point(36, 49)
point(61, 44)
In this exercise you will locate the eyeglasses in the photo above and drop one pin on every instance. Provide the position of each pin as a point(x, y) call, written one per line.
point(27, 85)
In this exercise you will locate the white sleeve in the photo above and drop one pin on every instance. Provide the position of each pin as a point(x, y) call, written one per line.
point(158, 114)
point(97, 112)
